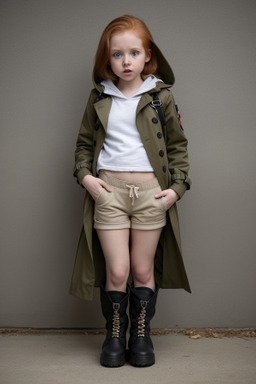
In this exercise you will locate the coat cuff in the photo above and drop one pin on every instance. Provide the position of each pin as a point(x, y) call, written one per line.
point(180, 183)
point(80, 174)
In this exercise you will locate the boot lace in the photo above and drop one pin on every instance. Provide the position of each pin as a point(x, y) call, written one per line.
point(116, 320)
point(141, 319)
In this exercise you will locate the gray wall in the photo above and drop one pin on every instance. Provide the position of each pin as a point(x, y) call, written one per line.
point(47, 51)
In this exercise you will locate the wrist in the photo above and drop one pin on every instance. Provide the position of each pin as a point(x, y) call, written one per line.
point(176, 196)
point(85, 180)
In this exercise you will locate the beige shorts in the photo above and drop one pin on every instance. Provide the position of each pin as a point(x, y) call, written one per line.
point(129, 205)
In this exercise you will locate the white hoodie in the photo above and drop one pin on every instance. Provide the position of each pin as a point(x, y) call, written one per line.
point(123, 150)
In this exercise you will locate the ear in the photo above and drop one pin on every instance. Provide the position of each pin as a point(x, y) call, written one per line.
point(148, 56)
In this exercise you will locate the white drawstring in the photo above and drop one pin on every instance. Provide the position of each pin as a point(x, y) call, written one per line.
point(134, 192)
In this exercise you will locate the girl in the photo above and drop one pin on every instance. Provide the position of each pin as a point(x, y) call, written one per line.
point(133, 173)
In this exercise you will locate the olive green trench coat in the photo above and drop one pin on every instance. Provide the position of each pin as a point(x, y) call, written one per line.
point(167, 153)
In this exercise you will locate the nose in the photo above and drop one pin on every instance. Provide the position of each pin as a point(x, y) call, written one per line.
point(126, 60)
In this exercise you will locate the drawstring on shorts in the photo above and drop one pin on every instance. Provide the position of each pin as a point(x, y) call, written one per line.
point(133, 192)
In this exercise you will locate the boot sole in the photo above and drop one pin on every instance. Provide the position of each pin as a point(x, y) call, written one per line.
point(141, 361)
point(112, 362)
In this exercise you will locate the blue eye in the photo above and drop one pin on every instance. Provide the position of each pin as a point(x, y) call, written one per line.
point(117, 55)
point(135, 53)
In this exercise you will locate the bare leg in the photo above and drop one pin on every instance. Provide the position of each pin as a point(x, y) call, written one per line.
point(115, 246)
point(143, 250)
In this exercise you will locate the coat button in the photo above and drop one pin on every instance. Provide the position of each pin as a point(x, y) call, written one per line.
point(161, 153)
point(94, 143)
point(154, 120)
point(164, 168)
point(159, 135)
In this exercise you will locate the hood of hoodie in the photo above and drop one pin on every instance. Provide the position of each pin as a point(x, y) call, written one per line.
point(164, 70)
point(148, 84)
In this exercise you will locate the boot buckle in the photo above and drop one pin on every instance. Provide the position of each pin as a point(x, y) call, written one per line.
point(143, 303)
point(116, 306)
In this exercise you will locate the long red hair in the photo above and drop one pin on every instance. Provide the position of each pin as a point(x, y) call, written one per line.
point(102, 69)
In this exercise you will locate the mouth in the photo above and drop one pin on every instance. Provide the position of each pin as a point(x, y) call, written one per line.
point(127, 71)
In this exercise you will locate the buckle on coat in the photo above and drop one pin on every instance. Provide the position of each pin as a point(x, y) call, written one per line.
point(156, 103)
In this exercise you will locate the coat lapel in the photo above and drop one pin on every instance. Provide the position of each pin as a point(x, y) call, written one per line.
point(144, 100)
point(102, 109)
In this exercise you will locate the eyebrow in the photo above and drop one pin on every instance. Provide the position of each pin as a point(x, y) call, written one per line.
point(120, 49)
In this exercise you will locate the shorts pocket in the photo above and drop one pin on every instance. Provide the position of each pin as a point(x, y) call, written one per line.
point(160, 202)
point(163, 203)
point(100, 195)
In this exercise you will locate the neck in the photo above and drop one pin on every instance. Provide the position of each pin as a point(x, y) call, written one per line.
point(129, 88)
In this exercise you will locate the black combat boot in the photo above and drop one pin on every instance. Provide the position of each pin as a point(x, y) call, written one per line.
point(142, 310)
point(114, 304)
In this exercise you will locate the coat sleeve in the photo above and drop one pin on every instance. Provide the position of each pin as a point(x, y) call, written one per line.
point(84, 145)
point(176, 146)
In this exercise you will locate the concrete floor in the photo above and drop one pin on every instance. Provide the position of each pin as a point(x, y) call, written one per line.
point(74, 359)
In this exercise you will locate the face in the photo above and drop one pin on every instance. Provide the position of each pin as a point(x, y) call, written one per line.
point(128, 57)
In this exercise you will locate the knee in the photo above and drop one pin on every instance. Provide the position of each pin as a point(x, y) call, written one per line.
point(118, 277)
point(142, 275)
